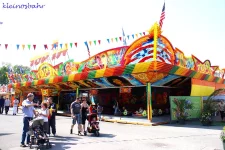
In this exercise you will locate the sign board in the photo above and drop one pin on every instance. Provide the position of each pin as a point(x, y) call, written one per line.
point(195, 113)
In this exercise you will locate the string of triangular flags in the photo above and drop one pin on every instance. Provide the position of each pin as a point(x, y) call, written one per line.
point(87, 43)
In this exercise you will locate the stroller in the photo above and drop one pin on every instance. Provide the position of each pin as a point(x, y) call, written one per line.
point(93, 124)
point(39, 138)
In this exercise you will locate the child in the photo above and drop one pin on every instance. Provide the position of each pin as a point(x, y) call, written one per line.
point(94, 123)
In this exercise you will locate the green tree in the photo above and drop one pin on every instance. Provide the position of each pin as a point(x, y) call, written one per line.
point(3, 76)
point(19, 69)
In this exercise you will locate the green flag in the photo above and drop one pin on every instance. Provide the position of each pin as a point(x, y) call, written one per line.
point(116, 39)
point(28, 46)
point(95, 42)
point(71, 44)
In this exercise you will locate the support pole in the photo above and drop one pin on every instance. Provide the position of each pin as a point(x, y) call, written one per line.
point(155, 44)
point(149, 101)
point(77, 93)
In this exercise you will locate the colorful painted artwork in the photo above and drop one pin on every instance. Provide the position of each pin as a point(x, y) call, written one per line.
point(69, 67)
point(164, 54)
point(149, 77)
point(204, 67)
point(165, 80)
point(132, 80)
point(181, 60)
point(101, 82)
point(118, 81)
point(45, 71)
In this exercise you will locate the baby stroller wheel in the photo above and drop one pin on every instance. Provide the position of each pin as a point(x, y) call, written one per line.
point(48, 145)
point(97, 133)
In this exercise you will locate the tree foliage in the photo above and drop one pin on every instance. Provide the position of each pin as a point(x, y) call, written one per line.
point(7, 67)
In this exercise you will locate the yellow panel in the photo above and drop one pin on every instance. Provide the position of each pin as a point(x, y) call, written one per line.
point(199, 90)
point(51, 80)
point(197, 75)
point(180, 71)
point(100, 73)
point(141, 67)
point(35, 82)
point(71, 77)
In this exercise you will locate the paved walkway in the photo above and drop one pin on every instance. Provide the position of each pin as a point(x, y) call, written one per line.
point(115, 136)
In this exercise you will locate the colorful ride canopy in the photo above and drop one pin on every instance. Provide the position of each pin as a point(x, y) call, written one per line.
point(132, 65)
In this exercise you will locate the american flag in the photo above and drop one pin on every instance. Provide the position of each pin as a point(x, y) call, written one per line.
point(162, 17)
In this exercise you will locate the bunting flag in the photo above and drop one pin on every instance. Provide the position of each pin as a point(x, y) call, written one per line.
point(55, 44)
point(46, 46)
point(17, 46)
point(90, 43)
point(116, 39)
point(86, 43)
point(34, 47)
point(23, 46)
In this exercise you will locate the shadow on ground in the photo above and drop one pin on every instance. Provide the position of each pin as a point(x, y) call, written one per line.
point(2, 134)
point(63, 142)
point(102, 135)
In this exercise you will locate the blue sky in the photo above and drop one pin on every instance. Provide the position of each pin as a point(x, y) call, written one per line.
point(194, 26)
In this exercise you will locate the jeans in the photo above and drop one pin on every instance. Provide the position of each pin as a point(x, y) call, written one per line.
point(6, 109)
point(1, 109)
point(25, 130)
point(51, 123)
point(99, 116)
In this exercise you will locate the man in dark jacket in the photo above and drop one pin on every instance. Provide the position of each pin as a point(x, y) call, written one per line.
point(2, 102)
point(51, 119)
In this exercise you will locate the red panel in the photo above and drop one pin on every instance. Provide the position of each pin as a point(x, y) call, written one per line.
point(118, 71)
point(84, 75)
point(109, 72)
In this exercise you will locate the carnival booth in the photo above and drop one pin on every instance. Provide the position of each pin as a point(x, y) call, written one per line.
point(140, 76)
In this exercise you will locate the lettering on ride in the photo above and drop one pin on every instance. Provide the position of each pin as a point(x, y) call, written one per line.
point(204, 68)
point(46, 71)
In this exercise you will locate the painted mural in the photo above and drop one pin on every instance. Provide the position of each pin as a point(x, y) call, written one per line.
point(149, 77)
point(46, 70)
point(69, 67)
point(204, 67)
point(165, 80)
point(183, 61)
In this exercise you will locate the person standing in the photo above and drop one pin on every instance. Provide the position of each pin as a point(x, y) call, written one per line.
point(15, 106)
point(2, 102)
point(84, 111)
point(99, 111)
point(221, 109)
point(52, 116)
point(75, 109)
point(7, 105)
point(28, 113)
point(43, 114)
